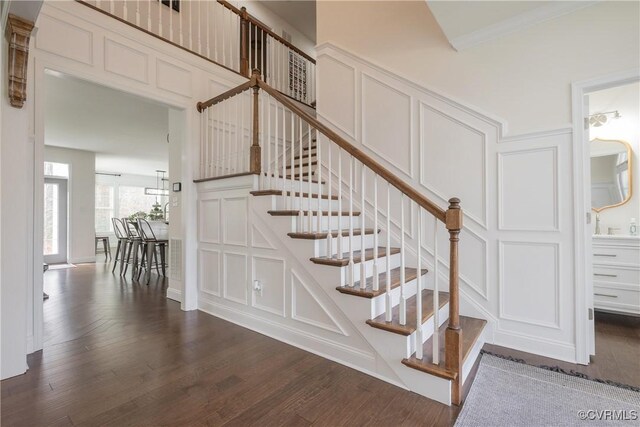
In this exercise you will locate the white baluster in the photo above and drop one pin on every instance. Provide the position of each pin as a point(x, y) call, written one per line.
point(376, 273)
point(171, 20)
point(319, 169)
point(268, 140)
point(340, 237)
point(292, 196)
point(277, 163)
point(310, 186)
point(200, 27)
point(206, 24)
point(284, 155)
point(111, 6)
point(388, 306)
point(351, 263)
point(138, 13)
point(300, 220)
point(230, 40)
point(363, 270)
point(202, 144)
point(238, 120)
point(125, 10)
point(403, 299)
point(218, 142)
point(181, 39)
point(329, 182)
point(160, 18)
point(436, 296)
point(191, 25)
point(419, 289)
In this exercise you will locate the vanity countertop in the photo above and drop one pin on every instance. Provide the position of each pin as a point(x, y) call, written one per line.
point(616, 236)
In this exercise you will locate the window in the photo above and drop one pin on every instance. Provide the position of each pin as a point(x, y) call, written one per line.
point(105, 207)
point(59, 170)
point(133, 199)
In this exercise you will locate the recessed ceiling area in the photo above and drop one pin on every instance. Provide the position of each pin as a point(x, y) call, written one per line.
point(301, 14)
point(128, 133)
point(468, 23)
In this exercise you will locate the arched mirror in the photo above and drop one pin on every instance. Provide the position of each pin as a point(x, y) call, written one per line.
point(610, 173)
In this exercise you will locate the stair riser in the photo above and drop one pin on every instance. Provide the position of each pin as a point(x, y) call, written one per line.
point(277, 183)
point(321, 249)
point(378, 304)
point(394, 261)
point(286, 203)
point(327, 223)
point(427, 327)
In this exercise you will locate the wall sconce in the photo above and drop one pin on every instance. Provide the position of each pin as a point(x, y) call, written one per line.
point(600, 119)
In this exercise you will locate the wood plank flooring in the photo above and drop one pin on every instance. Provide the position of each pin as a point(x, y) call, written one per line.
point(118, 353)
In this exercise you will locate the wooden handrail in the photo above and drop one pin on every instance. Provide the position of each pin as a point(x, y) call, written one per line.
point(376, 167)
point(244, 15)
point(226, 95)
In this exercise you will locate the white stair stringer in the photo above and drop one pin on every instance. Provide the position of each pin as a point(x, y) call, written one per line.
point(390, 347)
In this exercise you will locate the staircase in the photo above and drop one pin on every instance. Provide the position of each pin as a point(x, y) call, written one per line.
point(381, 278)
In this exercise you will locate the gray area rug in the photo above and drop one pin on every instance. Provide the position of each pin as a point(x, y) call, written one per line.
point(507, 393)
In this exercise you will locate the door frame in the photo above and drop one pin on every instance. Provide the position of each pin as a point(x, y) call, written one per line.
point(584, 331)
point(65, 182)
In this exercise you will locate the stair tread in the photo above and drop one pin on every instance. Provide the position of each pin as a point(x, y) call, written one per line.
point(427, 311)
point(295, 165)
point(313, 235)
point(368, 292)
point(295, 212)
point(341, 262)
point(288, 193)
point(305, 177)
point(471, 330)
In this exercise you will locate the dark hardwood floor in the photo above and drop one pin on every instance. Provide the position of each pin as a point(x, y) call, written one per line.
point(119, 353)
point(617, 351)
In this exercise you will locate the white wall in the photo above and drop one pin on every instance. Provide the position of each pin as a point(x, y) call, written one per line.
point(523, 78)
point(82, 194)
point(626, 99)
point(490, 125)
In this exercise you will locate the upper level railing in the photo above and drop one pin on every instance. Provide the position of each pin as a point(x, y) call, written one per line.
point(223, 34)
point(254, 129)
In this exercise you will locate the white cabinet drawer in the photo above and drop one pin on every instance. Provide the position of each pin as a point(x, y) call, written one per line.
point(616, 255)
point(614, 299)
point(616, 274)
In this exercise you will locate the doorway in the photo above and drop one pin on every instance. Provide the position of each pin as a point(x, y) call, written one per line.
point(605, 111)
point(55, 220)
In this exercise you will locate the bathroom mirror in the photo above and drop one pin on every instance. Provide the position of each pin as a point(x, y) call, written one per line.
point(610, 173)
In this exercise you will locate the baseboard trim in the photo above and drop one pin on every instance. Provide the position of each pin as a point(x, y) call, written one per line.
point(548, 348)
point(174, 294)
point(82, 260)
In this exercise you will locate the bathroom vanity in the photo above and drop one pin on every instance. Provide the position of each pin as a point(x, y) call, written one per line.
point(616, 273)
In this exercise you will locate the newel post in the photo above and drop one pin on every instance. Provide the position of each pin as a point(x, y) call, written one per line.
point(254, 155)
point(453, 335)
point(244, 43)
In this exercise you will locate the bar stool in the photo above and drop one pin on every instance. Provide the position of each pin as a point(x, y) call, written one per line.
point(123, 241)
point(105, 245)
point(150, 245)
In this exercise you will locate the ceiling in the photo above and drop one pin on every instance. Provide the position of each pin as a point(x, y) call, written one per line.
point(468, 23)
point(127, 133)
point(301, 14)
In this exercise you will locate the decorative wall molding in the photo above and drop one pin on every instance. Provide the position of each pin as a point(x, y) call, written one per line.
point(235, 221)
point(299, 288)
point(235, 284)
point(270, 287)
point(18, 33)
point(125, 61)
point(508, 313)
point(259, 240)
point(204, 271)
point(65, 39)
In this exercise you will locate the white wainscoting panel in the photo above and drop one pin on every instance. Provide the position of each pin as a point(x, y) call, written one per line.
point(448, 147)
point(530, 283)
point(64, 39)
point(270, 273)
point(235, 277)
point(209, 218)
point(342, 103)
point(234, 214)
point(306, 308)
point(209, 271)
point(528, 204)
point(173, 78)
point(125, 61)
point(381, 105)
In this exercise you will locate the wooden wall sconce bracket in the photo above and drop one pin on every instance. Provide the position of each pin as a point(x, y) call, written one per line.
point(18, 34)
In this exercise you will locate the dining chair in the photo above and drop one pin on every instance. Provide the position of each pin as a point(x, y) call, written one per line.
point(123, 242)
point(151, 246)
